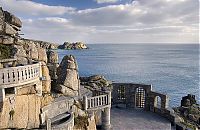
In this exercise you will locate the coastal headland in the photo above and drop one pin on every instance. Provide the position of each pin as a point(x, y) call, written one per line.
point(38, 92)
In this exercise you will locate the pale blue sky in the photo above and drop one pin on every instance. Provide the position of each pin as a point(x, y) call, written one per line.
point(108, 21)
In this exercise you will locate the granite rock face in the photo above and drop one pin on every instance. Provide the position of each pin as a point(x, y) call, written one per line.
point(52, 56)
point(96, 82)
point(9, 24)
point(72, 46)
point(68, 76)
point(42, 55)
point(46, 83)
point(26, 112)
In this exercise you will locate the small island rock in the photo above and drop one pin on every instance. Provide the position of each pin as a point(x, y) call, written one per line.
point(72, 46)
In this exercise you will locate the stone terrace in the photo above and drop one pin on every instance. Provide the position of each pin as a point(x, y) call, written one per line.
point(129, 119)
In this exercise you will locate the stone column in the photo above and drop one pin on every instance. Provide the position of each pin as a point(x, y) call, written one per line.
point(48, 127)
point(105, 116)
point(85, 102)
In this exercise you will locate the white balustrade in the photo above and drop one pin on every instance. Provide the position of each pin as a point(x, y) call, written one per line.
point(13, 76)
point(97, 101)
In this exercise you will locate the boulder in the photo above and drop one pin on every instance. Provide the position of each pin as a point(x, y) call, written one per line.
point(52, 56)
point(42, 56)
point(96, 82)
point(20, 54)
point(9, 30)
point(68, 74)
point(11, 19)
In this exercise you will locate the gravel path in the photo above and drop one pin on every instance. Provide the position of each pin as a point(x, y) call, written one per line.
point(129, 119)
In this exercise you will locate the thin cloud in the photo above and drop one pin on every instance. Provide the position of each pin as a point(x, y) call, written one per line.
point(139, 21)
point(106, 1)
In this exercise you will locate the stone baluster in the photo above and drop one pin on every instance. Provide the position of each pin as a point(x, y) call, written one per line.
point(97, 101)
point(5, 76)
point(85, 100)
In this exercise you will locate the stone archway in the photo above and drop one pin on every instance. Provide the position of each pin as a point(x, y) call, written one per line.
point(157, 102)
point(140, 97)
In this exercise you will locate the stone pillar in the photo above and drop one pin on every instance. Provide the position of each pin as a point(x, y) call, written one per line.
point(105, 116)
point(48, 127)
point(85, 102)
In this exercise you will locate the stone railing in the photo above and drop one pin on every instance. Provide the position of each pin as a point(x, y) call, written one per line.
point(21, 75)
point(97, 102)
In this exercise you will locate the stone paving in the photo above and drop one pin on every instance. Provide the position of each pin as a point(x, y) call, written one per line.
point(131, 119)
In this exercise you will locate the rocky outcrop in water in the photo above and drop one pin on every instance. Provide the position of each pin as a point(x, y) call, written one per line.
point(189, 111)
point(73, 46)
point(68, 78)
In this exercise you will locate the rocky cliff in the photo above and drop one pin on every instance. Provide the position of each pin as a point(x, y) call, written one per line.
point(25, 108)
point(25, 105)
point(73, 46)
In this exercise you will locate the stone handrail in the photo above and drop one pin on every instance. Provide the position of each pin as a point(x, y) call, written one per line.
point(96, 102)
point(21, 75)
point(67, 125)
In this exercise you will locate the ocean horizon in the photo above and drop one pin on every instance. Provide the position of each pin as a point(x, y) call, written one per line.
point(172, 69)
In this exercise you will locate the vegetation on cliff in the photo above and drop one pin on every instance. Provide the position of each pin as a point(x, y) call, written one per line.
point(189, 111)
point(5, 51)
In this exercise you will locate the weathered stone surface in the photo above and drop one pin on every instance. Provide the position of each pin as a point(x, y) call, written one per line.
point(66, 91)
point(46, 84)
point(68, 74)
point(22, 60)
point(42, 55)
point(59, 106)
point(96, 82)
point(6, 40)
point(91, 123)
point(20, 54)
point(26, 90)
point(46, 99)
point(9, 30)
point(52, 56)
point(19, 51)
point(26, 112)
point(32, 51)
point(10, 18)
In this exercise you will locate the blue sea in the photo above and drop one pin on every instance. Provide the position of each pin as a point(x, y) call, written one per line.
point(172, 69)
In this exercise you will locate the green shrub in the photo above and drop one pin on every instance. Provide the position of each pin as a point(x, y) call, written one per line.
point(5, 51)
point(81, 122)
